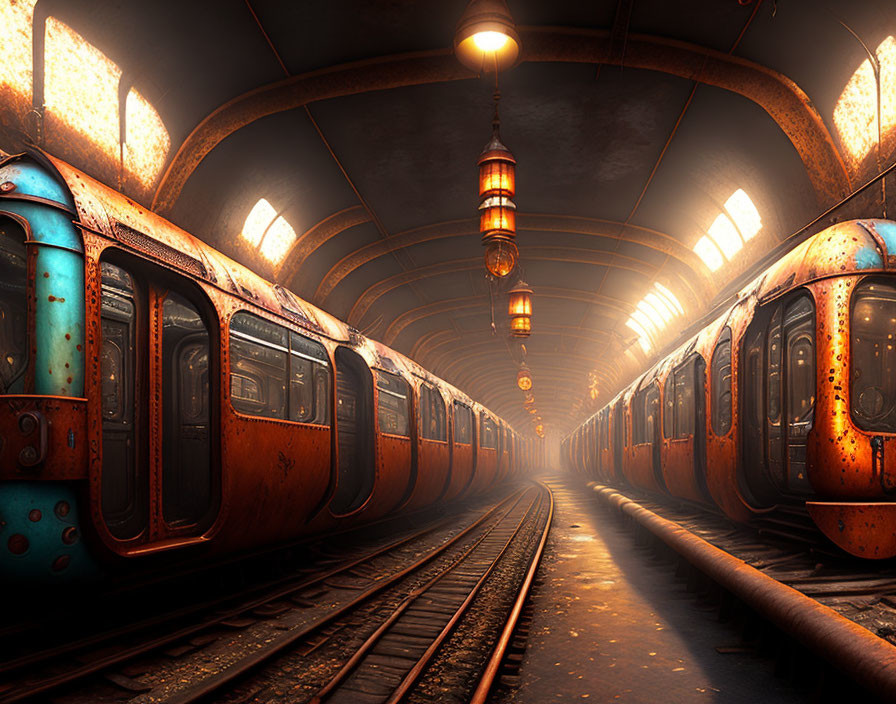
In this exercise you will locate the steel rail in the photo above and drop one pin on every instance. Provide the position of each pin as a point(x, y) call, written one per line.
point(29, 689)
point(491, 669)
point(212, 684)
point(416, 670)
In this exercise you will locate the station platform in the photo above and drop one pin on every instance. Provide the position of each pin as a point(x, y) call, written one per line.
point(609, 625)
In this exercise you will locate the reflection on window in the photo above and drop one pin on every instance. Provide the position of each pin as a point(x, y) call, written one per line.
point(855, 114)
point(74, 70)
point(81, 87)
point(271, 237)
point(15, 47)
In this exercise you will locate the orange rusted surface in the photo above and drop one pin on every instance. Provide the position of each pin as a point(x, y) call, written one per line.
point(273, 479)
point(861, 529)
point(845, 466)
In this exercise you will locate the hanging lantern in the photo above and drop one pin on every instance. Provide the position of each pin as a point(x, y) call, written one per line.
point(500, 258)
point(539, 430)
point(520, 310)
point(524, 378)
point(497, 212)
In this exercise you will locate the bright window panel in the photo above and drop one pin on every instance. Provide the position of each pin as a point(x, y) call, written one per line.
point(643, 337)
point(15, 47)
point(662, 307)
point(261, 215)
point(725, 235)
point(668, 296)
point(744, 214)
point(81, 86)
point(644, 322)
point(277, 241)
point(855, 113)
point(709, 253)
point(146, 139)
point(659, 322)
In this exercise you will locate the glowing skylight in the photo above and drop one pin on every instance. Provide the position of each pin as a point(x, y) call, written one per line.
point(653, 313)
point(146, 139)
point(709, 253)
point(81, 86)
point(261, 215)
point(668, 296)
point(659, 322)
point(277, 241)
point(16, 48)
point(855, 113)
point(271, 237)
point(725, 235)
point(741, 209)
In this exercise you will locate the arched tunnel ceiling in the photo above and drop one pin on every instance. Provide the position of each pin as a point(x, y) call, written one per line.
point(632, 122)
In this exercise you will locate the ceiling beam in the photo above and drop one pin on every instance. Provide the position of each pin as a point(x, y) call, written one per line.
point(693, 270)
point(779, 96)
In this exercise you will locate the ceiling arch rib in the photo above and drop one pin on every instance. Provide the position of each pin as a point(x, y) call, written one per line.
point(653, 239)
point(779, 96)
point(455, 304)
point(319, 234)
point(576, 255)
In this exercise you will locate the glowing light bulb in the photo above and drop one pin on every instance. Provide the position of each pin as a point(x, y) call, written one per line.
point(490, 41)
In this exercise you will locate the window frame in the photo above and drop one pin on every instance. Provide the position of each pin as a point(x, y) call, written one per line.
point(382, 373)
point(716, 416)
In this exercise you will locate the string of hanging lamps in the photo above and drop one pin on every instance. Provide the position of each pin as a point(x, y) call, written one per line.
point(486, 40)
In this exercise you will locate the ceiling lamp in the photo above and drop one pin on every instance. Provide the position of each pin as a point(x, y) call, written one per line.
point(497, 212)
point(524, 378)
point(520, 310)
point(485, 38)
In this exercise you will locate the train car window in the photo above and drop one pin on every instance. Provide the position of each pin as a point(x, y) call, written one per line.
point(432, 411)
point(392, 404)
point(774, 369)
point(873, 359)
point(488, 435)
point(684, 400)
point(309, 381)
point(720, 385)
point(637, 406)
point(799, 328)
point(123, 487)
point(774, 440)
point(463, 424)
point(13, 308)
point(669, 406)
point(259, 364)
point(651, 412)
point(186, 474)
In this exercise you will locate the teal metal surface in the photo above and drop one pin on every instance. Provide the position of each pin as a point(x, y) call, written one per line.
point(59, 285)
point(40, 538)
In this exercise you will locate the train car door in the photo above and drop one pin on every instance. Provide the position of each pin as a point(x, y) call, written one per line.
point(155, 372)
point(355, 474)
point(779, 400)
point(618, 438)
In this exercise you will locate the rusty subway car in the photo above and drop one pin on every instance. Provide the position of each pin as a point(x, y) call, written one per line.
point(158, 397)
point(786, 400)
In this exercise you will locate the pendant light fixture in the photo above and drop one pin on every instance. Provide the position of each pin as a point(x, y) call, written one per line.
point(519, 307)
point(485, 38)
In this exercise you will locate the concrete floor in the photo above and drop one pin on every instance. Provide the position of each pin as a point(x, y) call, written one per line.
point(611, 626)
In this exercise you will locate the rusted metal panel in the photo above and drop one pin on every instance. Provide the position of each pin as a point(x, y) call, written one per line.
point(486, 469)
point(461, 470)
point(862, 529)
point(433, 472)
point(43, 438)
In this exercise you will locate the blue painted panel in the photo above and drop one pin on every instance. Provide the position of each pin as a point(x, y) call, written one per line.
point(868, 258)
point(887, 231)
point(40, 537)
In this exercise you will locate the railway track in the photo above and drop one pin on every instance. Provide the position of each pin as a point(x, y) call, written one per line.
point(302, 618)
point(840, 610)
